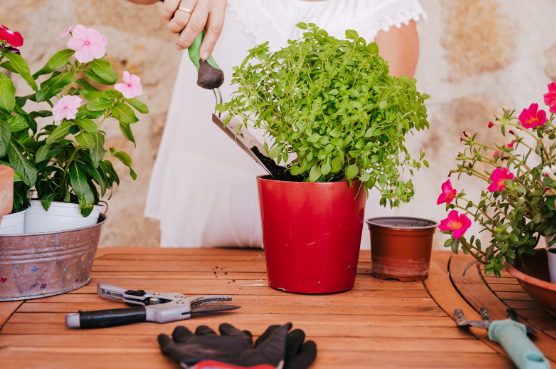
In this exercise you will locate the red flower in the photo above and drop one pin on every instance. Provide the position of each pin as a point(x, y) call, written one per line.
point(498, 178)
point(14, 38)
point(511, 144)
point(456, 223)
point(448, 193)
point(550, 97)
point(531, 117)
point(490, 124)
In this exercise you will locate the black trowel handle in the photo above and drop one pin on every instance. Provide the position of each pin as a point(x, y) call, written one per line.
point(106, 318)
point(209, 75)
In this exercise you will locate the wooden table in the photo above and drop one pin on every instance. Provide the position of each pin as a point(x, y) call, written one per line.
point(378, 324)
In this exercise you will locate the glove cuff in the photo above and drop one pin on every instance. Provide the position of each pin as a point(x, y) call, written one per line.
point(211, 364)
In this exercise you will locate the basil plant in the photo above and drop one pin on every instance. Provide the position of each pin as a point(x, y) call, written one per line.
point(332, 106)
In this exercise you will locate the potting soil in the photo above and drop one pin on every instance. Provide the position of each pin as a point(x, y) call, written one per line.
point(279, 172)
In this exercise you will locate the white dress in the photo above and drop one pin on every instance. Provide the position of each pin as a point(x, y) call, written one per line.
point(203, 187)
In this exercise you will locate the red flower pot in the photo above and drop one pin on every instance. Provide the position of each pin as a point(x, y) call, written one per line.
point(311, 234)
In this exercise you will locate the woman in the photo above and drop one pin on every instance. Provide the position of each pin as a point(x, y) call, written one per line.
point(203, 188)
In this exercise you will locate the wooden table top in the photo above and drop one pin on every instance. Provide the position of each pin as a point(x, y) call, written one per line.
point(378, 324)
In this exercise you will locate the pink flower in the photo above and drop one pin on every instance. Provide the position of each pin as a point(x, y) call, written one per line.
point(448, 193)
point(456, 223)
point(496, 153)
point(498, 178)
point(550, 97)
point(530, 118)
point(87, 43)
point(14, 38)
point(66, 108)
point(511, 144)
point(65, 32)
point(131, 87)
point(490, 124)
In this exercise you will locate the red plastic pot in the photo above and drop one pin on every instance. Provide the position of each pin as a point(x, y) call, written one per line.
point(311, 234)
point(401, 247)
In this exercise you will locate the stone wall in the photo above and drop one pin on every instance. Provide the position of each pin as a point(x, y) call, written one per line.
point(477, 56)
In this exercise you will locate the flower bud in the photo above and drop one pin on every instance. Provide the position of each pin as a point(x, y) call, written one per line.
point(547, 171)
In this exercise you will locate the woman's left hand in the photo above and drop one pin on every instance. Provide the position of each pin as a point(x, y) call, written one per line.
point(205, 15)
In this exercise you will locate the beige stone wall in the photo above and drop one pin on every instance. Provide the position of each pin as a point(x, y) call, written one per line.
point(477, 56)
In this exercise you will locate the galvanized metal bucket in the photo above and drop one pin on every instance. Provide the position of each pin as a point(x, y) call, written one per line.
point(46, 264)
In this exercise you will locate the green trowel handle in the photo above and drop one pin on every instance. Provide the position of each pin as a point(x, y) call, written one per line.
point(209, 74)
point(513, 338)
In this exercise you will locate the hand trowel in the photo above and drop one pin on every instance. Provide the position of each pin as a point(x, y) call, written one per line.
point(211, 77)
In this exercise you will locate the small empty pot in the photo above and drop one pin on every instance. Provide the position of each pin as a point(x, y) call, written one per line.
point(401, 247)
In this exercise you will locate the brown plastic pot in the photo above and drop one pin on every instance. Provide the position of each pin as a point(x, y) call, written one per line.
point(401, 247)
point(6, 190)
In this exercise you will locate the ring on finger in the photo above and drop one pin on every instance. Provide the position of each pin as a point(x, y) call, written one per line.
point(185, 10)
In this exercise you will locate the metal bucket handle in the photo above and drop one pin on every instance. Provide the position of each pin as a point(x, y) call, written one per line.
point(105, 204)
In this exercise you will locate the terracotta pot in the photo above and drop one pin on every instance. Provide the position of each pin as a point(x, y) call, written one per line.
point(6, 190)
point(311, 234)
point(532, 274)
point(401, 247)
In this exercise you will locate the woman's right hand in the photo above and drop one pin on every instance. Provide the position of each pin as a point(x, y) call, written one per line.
point(206, 15)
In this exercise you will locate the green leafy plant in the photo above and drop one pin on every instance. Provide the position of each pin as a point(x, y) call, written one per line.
point(66, 160)
point(333, 106)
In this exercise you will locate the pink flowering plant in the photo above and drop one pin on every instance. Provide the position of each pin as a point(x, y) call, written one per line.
point(517, 205)
point(67, 159)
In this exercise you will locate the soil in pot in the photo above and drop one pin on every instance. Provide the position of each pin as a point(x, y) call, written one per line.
point(401, 247)
point(311, 234)
point(279, 172)
point(61, 216)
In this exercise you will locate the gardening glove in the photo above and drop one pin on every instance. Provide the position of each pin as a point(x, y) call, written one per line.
point(236, 347)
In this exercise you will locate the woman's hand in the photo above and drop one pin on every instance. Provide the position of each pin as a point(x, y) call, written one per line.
point(207, 15)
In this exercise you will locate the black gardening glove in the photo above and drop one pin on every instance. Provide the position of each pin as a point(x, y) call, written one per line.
point(236, 347)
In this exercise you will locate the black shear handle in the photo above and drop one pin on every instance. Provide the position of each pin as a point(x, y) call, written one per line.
point(112, 317)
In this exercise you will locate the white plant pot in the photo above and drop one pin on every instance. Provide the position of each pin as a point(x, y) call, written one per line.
point(551, 259)
point(61, 216)
point(13, 223)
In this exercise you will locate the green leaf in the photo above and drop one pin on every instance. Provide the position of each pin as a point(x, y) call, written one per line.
point(20, 65)
point(352, 171)
point(20, 164)
point(104, 70)
point(6, 65)
point(42, 153)
point(61, 80)
point(88, 125)
point(124, 113)
point(537, 218)
point(372, 48)
point(99, 104)
point(126, 131)
point(314, 137)
point(426, 163)
point(47, 93)
point(7, 93)
point(40, 113)
point(124, 158)
point(111, 94)
point(325, 169)
point(86, 85)
point(351, 34)
point(98, 151)
point(46, 200)
point(86, 140)
point(59, 59)
point(95, 78)
point(138, 105)
point(60, 132)
point(5, 136)
point(301, 25)
point(383, 104)
point(18, 123)
point(79, 184)
point(314, 174)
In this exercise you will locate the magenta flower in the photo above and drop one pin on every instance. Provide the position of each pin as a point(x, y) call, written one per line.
point(88, 44)
point(550, 97)
point(66, 108)
point(131, 86)
point(456, 223)
point(490, 124)
point(14, 38)
point(448, 193)
point(498, 178)
point(511, 144)
point(65, 32)
point(496, 153)
point(530, 118)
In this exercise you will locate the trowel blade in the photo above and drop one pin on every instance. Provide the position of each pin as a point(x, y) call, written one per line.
point(243, 139)
point(213, 308)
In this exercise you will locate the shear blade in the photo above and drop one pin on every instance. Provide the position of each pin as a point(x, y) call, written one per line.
point(213, 308)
